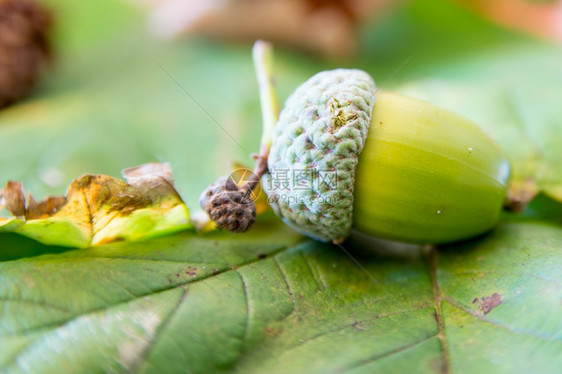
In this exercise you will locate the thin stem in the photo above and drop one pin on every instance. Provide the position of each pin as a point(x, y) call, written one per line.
point(263, 61)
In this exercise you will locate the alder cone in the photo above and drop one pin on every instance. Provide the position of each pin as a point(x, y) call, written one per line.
point(24, 47)
point(231, 208)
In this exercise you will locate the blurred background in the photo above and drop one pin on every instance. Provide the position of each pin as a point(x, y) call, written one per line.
point(99, 86)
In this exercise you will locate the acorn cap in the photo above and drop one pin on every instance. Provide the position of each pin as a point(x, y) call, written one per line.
point(314, 152)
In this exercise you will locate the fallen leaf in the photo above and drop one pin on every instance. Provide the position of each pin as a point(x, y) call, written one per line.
point(99, 209)
point(326, 27)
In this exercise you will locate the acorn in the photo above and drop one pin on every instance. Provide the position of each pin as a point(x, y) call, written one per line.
point(344, 156)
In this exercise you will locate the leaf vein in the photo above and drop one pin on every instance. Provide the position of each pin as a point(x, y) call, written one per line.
point(289, 289)
point(517, 275)
point(320, 283)
point(390, 353)
point(36, 302)
point(353, 324)
point(497, 324)
point(144, 354)
point(247, 297)
point(430, 257)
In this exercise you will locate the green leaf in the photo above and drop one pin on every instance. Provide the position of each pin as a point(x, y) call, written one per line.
point(272, 301)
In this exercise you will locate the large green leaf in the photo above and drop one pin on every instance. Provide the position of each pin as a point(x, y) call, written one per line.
point(271, 300)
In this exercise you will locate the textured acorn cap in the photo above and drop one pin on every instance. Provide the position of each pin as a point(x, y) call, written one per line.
point(314, 152)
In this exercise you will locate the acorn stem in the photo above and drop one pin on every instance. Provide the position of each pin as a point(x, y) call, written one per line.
point(259, 170)
point(262, 53)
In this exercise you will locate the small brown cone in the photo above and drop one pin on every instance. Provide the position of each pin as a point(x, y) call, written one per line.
point(24, 47)
point(231, 208)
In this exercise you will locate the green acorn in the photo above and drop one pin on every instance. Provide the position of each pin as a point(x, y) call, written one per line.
point(344, 156)
point(383, 164)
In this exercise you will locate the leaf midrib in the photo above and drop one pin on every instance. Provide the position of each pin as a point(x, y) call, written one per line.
point(430, 253)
